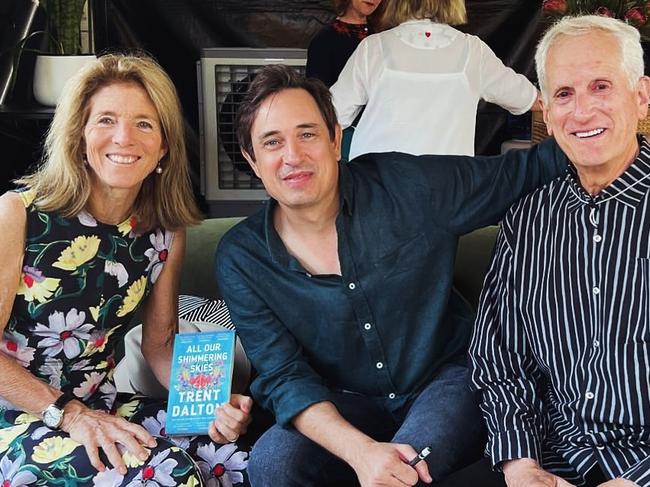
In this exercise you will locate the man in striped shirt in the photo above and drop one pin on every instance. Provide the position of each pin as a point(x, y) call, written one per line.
point(561, 350)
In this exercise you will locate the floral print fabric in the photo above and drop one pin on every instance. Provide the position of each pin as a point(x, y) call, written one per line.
point(33, 454)
point(81, 283)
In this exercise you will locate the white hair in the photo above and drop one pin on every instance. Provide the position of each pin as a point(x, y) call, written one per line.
point(627, 36)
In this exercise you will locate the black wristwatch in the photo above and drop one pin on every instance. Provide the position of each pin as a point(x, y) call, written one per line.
point(53, 414)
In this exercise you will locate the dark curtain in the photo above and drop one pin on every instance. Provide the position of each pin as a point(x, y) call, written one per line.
point(175, 31)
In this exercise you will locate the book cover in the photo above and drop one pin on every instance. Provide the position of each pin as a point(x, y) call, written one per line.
point(200, 381)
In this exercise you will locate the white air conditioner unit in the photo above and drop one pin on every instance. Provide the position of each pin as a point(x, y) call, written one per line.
point(223, 76)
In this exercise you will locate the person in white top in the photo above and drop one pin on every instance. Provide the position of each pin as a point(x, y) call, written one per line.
point(421, 81)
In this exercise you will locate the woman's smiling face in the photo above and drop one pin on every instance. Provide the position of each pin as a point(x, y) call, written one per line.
point(123, 136)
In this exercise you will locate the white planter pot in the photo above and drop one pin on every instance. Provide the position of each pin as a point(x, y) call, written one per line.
point(51, 74)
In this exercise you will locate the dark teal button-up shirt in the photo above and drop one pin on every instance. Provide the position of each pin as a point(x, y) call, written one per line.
point(391, 320)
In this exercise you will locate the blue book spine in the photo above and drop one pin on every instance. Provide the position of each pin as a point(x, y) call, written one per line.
point(200, 381)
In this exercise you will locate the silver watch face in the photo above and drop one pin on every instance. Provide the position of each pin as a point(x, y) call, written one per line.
point(52, 416)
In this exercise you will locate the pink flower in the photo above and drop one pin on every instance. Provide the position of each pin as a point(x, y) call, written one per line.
point(554, 7)
point(604, 11)
point(200, 381)
point(635, 17)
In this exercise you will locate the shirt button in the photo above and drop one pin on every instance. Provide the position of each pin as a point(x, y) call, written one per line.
point(307, 274)
point(596, 290)
point(352, 285)
point(391, 395)
point(596, 343)
point(589, 395)
point(597, 238)
point(380, 365)
point(367, 326)
point(600, 447)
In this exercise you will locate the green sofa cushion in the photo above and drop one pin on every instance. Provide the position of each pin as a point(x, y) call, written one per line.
point(197, 275)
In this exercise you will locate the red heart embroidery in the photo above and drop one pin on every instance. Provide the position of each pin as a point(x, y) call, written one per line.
point(428, 34)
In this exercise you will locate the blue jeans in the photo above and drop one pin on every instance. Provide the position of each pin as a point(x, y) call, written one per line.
point(445, 416)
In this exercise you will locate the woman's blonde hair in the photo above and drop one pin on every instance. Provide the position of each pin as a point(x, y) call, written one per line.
point(62, 182)
point(394, 12)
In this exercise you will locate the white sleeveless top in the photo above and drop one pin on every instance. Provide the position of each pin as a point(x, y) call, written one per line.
point(421, 83)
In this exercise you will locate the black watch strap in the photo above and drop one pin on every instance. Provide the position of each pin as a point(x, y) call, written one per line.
point(63, 399)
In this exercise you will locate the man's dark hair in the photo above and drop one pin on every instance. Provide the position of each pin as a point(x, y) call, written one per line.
point(273, 79)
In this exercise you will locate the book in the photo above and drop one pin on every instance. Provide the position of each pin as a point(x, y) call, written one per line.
point(200, 380)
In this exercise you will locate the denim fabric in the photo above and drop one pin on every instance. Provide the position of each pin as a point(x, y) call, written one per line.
point(386, 325)
point(445, 416)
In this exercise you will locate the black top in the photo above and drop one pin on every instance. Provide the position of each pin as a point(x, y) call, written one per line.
point(330, 49)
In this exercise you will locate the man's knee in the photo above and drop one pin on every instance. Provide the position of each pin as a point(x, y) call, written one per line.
point(279, 458)
point(446, 417)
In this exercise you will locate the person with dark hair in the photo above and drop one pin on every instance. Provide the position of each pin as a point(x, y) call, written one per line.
point(330, 49)
point(420, 81)
point(341, 290)
point(95, 235)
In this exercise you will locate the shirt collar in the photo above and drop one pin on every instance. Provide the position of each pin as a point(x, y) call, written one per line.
point(629, 188)
point(358, 31)
point(424, 33)
point(274, 243)
point(346, 189)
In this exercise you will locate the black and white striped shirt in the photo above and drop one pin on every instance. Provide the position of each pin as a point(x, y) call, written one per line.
point(561, 350)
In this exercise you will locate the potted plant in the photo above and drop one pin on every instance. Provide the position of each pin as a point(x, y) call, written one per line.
point(64, 58)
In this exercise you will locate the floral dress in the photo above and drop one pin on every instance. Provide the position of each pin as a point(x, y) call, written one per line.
point(81, 283)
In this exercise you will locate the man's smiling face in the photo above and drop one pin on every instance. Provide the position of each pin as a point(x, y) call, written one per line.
point(591, 109)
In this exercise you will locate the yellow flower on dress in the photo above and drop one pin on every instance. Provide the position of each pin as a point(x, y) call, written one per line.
point(94, 310)
point(51, 449)
point(8, 435)
point(134, 294)
point(191, 482)
point(34, 285)
point(127, 409)
point(127, 227)
point(97, 342)
point(131, 461)
point(80, 251)
point(27, 197)
point(26, 418)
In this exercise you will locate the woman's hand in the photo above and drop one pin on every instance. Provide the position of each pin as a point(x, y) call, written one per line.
point(98, 429)
point(232, 419)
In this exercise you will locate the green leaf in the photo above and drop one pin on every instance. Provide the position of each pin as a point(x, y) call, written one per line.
point(63, 23)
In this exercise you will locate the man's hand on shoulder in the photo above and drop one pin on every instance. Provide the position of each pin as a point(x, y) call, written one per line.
point(386, 464)
point(526, 472)
point(619, 483)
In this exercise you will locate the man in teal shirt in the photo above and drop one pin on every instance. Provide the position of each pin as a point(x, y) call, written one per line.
point(341, 289)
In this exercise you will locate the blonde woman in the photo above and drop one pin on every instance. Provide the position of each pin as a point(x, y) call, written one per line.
point(420, 81)
point(94, 235)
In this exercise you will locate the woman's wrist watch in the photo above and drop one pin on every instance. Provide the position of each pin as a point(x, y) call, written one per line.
point(53, 414)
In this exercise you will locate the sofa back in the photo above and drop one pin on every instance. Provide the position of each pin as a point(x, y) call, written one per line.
point(472, 261)
point(197, 277)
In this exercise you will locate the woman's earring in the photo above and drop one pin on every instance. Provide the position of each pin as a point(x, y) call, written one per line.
point(159, 169)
